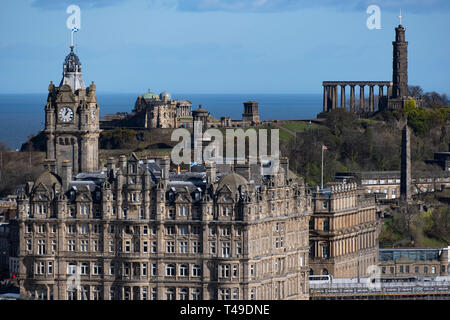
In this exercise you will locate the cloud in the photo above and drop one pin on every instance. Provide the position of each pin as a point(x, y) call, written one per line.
point(83, 4)
point(416, 6)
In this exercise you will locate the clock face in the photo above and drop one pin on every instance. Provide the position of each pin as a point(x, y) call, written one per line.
point(66, 114)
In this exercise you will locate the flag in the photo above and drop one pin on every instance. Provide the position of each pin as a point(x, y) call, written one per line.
point(324, 148)
point(74, 29)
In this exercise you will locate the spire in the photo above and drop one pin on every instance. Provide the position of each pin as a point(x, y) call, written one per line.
point(400, 17)
point(72, 75)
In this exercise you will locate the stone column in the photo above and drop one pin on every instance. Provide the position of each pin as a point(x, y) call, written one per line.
point(352, 98)
point(343, 96)
point(371, 98)
point(335, 97)
point(361, 97)
point(325, 99)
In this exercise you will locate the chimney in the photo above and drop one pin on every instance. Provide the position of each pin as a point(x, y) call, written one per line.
point(243, 170)
point(50, 165)
point(284, 163)
point(210, 172)
point(123, 163)
point(165, 168)
point(110, 167)
point(66, 174)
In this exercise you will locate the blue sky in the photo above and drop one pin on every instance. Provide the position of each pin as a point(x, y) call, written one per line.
point(221, 46)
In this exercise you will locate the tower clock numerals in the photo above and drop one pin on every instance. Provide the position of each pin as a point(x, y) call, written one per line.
point(66, 114)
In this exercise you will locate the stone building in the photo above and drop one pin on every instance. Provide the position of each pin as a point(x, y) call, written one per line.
point(139, 231)
point(413, 262)
point(386, 184)
point(344, 231)
point(71, 120)
point(160, 111)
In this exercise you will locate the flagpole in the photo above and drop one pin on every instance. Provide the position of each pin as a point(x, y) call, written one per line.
point(321, 176)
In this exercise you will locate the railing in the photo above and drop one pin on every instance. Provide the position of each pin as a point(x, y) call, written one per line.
point(379, 288)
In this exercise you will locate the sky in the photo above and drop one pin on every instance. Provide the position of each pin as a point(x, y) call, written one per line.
point(221, 46)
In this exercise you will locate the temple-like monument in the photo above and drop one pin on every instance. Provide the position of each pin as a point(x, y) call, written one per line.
point(393, 97)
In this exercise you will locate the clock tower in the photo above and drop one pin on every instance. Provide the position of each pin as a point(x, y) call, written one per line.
point(71, 120)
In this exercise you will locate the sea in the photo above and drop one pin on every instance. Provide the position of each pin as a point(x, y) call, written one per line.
point(22, 115)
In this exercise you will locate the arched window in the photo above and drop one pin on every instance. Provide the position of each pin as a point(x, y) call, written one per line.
point(324, 272)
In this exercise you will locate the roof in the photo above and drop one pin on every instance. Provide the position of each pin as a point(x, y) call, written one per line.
point(233, 180)
point(48, 178)
point(150, 95)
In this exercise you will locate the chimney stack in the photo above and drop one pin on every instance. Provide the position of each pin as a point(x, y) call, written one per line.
point(210, 172)
point(66, 174)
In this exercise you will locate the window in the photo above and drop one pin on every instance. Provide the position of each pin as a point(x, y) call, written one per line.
point(96, 293)
point(196, 294)
point(41, 247)
point(225, 271)
point(226, 231)
point(126, 269)
point(97, 228)
point(212, 247)
point(170, 230)
point(145, 230)
point(225, 249)
point(401, 269)
point(95, 246)
point(170, 246)
point(112, 269)
point(184, 295)
point(84, 245)
point(84, 268)
point(154, 269)
point(238, 248)
point(96, 269)
point(224, 294)
point(416, 269)
point(155, 246)
point(145, 246)
point(144, 293)
point(183, 230)
point(252, 270)
point(170, 294)
point(154, 294)
point(235, 270)
point(425, 269)
point(50, 267)
point(28, 245)
point(70, 245)
point(84, 229)
point(170, 270)
point(71, 268)
point(40, 268)
point(325, 251)
point(183, 246)
point(127, 246)
point(433, 269)
point(235, 294)
point(144, 269)
point(196, 247)
point(196, 271)
point(184, 270)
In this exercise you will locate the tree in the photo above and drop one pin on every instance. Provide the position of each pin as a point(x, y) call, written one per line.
point(415, 91)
